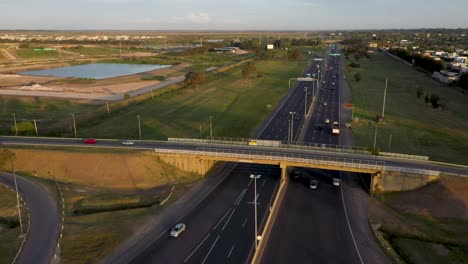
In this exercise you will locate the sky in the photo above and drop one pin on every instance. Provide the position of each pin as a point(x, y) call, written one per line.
point(232, 15)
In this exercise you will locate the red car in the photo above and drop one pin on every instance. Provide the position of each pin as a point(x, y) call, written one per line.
point(90, 141)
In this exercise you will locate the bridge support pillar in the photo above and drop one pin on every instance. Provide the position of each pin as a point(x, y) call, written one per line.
point(284, 171)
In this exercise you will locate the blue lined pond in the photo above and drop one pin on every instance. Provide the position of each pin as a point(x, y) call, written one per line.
point(97, 70)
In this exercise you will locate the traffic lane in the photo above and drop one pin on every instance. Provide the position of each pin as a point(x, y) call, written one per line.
point(236, 236)
point(199, 222)
point(310, 226)
point(356, 197)
point(44, 220)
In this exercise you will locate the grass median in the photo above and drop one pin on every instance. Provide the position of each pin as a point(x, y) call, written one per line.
point(411, 125)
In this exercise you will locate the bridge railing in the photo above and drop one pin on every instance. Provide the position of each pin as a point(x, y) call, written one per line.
point(277, 156)
point(412, 171)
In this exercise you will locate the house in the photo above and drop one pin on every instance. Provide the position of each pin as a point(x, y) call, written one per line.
point(446, 77)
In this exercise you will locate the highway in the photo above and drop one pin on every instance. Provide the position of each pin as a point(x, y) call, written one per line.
point(44, 223)
point(220, 229)
point(327, 225)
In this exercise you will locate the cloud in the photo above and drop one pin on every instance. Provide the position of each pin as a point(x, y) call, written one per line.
point(197, 18)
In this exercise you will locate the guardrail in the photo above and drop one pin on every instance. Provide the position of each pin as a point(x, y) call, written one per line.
point(413, 171)
point(403, 156)
point(277, 156)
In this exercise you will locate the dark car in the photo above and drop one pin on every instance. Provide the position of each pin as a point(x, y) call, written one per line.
point(319, 127)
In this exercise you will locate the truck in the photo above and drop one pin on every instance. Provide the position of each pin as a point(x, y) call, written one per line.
point(335, 128)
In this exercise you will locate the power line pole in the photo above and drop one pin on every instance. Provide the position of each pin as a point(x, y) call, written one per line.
point(108, 110)
point(74, 123)
point(211, 128)
point(384, 97)
point(375, 136)
point(306, 89)
point(17, 202)
point(35, 127)
point(139, 126)
point(14, 121)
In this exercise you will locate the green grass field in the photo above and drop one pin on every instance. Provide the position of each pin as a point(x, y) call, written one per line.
point(94, 51)
point(415, 127)
point(32, 54)
point(9, 242)
point(236, 106)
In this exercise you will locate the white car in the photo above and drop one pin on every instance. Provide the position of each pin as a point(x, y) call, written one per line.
point(327, 121)
point(177, 229)
point(336, 182)
point(128, 142)
point(313, 184)
point(333, 83)
point(325, 103)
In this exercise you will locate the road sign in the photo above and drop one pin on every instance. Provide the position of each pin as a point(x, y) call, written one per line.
point(306, 79)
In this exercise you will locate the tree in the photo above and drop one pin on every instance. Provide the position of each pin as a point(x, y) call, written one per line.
point(426, 99)
point(419, 93)
point(357, 77)
point(295, 54)
point(434, 99)
point(196, 78)
point(249, 71)
point(463, 82)
point(24, 128)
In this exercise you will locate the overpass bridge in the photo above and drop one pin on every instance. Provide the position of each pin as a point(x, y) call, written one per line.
point(393, 172)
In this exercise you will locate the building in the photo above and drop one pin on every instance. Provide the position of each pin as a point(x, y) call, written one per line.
point(270, 46)
point(446, 77)
point(227, 49)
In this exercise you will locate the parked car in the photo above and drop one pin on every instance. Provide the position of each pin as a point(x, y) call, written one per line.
point(336, 182)
point(313, 184)
point(177, 230)
point(90, 141)
point(128, 142)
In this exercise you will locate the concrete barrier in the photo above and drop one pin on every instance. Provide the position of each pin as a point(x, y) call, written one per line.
point(269, 223)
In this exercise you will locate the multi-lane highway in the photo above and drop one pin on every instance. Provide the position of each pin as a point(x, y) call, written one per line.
point(310, 225)
point(324, 225)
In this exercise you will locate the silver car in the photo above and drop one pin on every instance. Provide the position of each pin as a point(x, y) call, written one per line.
point(177, 229)
point(128, 142)
point(336, 182)
point(313, 184)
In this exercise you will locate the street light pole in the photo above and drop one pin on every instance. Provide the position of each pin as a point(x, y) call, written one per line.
point(255, 177)
point(292, 124)
point(17, 201)
point(14, 121)
point(74, 123)
point(289, 129)
point(139, 126)
point(306, 89)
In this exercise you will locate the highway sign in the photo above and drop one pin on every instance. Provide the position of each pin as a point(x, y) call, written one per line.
point(306, 79)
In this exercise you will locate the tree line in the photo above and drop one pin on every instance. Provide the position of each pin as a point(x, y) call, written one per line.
point(426, 63)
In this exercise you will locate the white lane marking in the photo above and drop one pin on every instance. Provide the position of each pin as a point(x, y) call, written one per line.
point(240, 196)
point(199, 245)
point(360, 176)
point(249, 183)
point(347, 221)
point(240, 199)
point(263, 184)
point(230, 251)
point(212, 246)
point(245, 221)
point(227, 221)
point(221, 220)
point(180, 218)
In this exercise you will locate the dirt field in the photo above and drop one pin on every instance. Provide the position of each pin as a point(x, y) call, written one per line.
point(104, 170)
point(116, 85)
point(426, 225)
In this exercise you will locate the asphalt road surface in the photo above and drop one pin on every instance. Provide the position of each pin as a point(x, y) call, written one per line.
point(329, 224)
point(44, 223)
